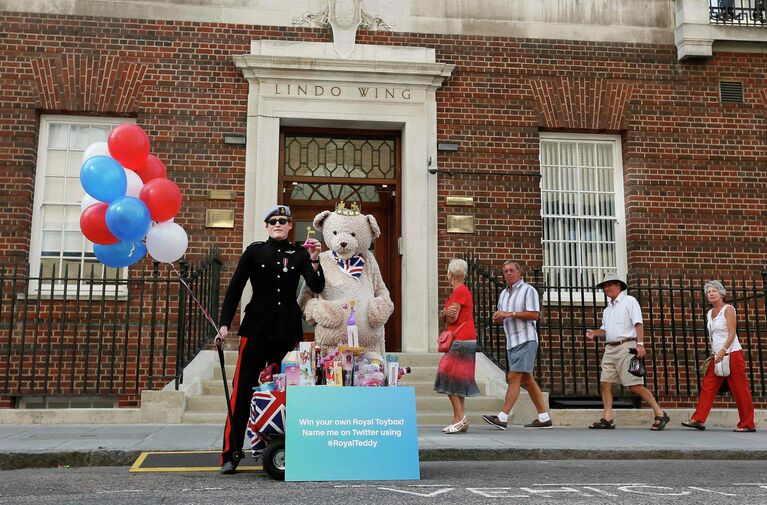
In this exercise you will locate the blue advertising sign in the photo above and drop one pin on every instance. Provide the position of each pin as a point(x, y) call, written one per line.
point(351, 433)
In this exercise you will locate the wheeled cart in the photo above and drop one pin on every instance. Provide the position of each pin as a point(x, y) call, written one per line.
point(266, 431)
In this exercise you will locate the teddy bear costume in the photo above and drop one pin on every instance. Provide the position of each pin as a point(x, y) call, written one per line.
point(351, 275)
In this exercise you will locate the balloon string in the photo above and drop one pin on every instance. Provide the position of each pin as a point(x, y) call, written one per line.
point(191, 293)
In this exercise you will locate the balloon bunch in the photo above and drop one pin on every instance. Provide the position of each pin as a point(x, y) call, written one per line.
point(130, 203)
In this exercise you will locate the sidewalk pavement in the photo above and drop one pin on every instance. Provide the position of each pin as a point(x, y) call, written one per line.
point(32, 446)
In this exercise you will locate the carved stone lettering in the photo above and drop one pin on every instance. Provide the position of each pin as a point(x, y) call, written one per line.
point(366, 92)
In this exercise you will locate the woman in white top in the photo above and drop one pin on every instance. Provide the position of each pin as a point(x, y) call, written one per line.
point(724, 341)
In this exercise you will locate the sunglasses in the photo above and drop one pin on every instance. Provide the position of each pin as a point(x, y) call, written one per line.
point(274, 222)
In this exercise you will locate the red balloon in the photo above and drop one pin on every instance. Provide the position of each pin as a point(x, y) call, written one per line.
point(93, 224)
point(129, 145)
point(152, 169)
point(162, 197)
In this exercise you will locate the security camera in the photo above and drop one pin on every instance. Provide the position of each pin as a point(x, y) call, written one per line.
point(431, 167)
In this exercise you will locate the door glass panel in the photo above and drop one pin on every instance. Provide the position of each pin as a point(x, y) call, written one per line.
point(334, 192)
point(339, 156)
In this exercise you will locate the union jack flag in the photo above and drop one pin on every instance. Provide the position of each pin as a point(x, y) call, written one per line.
point(353, 266)
point(267, 416)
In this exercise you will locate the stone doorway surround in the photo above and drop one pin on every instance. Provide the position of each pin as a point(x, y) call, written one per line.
point(377, 87)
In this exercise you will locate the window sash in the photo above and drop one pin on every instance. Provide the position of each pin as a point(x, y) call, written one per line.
point(60, 254)
point(581, 209)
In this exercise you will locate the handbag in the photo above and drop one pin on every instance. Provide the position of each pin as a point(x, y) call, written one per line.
point(445, 339)
point(722, 369)
point(636, 365)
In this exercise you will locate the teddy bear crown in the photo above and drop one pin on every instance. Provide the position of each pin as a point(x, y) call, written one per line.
point(353, 210)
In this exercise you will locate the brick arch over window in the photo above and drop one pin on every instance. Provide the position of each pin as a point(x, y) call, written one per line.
point(78, 83)
point(582, 104)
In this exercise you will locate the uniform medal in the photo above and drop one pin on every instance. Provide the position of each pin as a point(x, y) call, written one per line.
point(284, 264)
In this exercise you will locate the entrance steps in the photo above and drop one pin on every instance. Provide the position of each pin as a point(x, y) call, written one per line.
point(432, 408)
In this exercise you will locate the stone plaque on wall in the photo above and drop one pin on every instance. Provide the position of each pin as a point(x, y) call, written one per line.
point(219, 218)
point(460, 201)
point(460, 224)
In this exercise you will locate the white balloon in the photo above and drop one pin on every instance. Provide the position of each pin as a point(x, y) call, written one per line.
point(86, 202)
point(96, 149)
point(134, 183)
point(166, 242)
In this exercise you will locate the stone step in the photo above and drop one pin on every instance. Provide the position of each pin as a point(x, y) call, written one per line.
point(422, 419)
point(432, 404)
point(417, 373)
point(578, 418)
point(438, 404)
point(421, 359)
point(406, 359)
point(422, 388)
point(203, 418)
point(229, 373)
point(474, 418)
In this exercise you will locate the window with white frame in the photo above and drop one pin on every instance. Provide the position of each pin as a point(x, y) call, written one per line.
point(60, 253)
point(584, 235)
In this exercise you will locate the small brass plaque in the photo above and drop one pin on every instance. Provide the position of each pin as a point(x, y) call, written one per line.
point(217, 218)
point(220, 194)
point(461, 201)
point(460, 224)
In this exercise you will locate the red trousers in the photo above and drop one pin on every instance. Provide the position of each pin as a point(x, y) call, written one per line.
point(739, 388)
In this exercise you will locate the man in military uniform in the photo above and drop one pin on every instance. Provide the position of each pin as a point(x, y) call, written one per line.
point(272, 323)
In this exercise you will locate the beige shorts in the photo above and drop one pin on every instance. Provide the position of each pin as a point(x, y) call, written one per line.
point(615, 365)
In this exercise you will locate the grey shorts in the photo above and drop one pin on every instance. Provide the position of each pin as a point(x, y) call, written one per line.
point(522, 357)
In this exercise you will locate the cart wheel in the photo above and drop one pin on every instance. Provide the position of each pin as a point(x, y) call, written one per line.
point(237, 456)
point(274, 459)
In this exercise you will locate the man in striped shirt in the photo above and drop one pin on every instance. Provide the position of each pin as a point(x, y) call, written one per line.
point(518, 309)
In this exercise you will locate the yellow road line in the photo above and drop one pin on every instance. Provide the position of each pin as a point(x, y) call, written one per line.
point(136, 467)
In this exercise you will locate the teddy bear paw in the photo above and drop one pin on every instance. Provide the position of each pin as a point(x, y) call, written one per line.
point(379, 311)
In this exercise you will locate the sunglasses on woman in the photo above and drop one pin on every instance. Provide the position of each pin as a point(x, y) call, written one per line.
point(280, 220)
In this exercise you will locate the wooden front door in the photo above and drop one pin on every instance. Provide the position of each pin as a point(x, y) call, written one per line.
point(321, 167)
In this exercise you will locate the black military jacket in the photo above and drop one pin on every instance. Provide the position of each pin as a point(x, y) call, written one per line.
point(274, 269)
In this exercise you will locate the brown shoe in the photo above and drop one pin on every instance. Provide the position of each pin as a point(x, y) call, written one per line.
point(692, 423)
point(540, 424)
point(494, 421)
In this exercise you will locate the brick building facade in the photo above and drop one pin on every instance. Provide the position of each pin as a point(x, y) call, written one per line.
point(676, 173)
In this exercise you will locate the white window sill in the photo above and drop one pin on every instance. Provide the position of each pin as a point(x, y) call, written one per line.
point(575, 296)
point(71, 293)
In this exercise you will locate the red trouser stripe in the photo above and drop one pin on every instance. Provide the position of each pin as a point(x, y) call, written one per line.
point(233, 401)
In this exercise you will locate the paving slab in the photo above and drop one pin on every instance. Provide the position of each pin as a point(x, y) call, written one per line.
point(103, 445)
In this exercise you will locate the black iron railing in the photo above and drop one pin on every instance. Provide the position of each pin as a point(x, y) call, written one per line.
point(674, 311)
point(738, 12)
point(65, 334)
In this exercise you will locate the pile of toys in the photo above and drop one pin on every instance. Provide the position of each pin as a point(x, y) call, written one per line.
point(347, 365)
point(344, 366)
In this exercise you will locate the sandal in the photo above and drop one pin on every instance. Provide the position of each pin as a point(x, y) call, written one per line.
point(744, 430)
point(603, 424)
point(461, 426)
point(660, 422)
point(692, 423)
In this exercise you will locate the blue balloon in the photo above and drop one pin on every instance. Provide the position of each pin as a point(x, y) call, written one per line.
point(103, 178)
point(121, 254)
point(128, 218)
